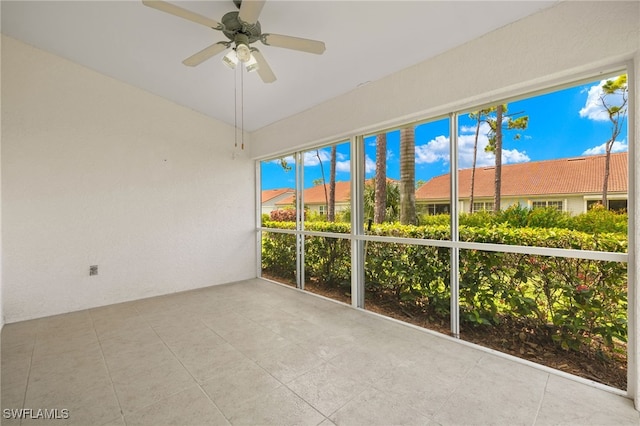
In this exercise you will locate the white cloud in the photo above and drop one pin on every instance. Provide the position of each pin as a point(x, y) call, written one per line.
point(311, 157)
point(435, 150)
point(343, 166)
point(593, 108)
point(465, 149)
point(369, 165)
point(468, 129)
point(438, 150)
point(511, 156)
point(600, 149)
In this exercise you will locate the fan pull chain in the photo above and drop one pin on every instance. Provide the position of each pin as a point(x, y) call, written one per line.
point(238, 97)
point(235, 109)
point(242, 107)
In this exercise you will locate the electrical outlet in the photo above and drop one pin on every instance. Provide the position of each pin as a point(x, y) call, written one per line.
point(93, 270)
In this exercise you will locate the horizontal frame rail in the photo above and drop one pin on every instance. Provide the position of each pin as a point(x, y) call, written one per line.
point(467, 245)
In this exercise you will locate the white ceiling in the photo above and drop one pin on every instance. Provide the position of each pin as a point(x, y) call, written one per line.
point(365, 40)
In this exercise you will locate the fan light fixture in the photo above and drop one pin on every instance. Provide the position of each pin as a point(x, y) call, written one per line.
point(252, 64)
point(243, 54)
point(230, 59)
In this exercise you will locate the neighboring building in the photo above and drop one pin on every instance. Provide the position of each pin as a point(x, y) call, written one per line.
point(271, 196)
point(315, 200)
point(568, 184)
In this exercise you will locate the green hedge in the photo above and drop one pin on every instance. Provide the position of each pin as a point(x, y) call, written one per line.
point(573, 300)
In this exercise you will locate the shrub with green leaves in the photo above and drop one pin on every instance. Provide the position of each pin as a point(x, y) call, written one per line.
point(600, 220)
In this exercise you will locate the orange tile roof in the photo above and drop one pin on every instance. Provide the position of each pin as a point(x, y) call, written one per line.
point(269, 194)
point(315, 194)
point(578, 175)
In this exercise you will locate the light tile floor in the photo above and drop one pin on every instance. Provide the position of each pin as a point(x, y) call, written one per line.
point(257, 353)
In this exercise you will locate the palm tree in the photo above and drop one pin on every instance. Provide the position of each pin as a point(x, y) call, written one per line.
point(407, 176)
point(381, 178)
point(331, 208)
point(497, 150)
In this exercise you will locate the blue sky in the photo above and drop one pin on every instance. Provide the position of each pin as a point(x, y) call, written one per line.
point(562, 124)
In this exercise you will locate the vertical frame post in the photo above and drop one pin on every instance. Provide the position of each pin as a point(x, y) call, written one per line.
point(454, 283)
point(299, 156)
point(357, 222)
point(258, 222)
point(633, 210)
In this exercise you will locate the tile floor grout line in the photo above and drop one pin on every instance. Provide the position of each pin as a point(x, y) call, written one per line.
point(459, 384)
point(213, 402)
point(282, 384)
point(302, 398)
point(544, 392)
point(104, 360)
point(346, 402)
point(176, 358)
point(26, 386)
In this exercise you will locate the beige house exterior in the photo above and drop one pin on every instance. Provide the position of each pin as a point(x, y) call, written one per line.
point(568, 184)
point(270, 197)
point(315, 200)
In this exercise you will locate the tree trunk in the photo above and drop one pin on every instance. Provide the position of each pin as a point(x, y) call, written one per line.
point(605, 183)
point(498, 153)
point(473, 166)
point(381, 179)
point(331, 209)
point(407, 176)
point(324, 181)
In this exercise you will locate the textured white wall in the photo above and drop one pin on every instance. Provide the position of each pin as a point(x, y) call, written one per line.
point(557, 45)
point(96, 172)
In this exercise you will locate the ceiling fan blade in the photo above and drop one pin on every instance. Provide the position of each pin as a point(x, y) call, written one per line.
point(264, 70)
point(250, 11)
point(183, 13)
point(205, 54)
point(295, 43)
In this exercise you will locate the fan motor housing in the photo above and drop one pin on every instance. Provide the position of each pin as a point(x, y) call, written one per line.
point(233, 26)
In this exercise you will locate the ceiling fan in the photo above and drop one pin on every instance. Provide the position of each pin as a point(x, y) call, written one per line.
point(242, 29)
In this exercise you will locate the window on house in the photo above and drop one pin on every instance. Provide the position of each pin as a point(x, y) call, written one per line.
point(614, 205)
point(558, 205)
point(433, 209)
point(483, 206)
point(322, 210)
point(618, 205)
